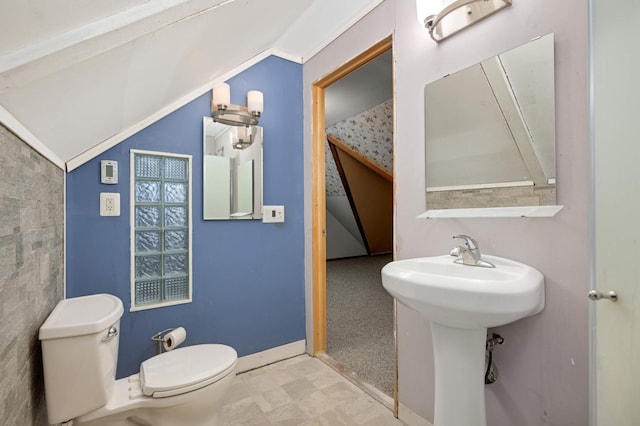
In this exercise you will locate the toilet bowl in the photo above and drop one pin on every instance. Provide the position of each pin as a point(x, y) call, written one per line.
point(80, 351)
point(180, 387)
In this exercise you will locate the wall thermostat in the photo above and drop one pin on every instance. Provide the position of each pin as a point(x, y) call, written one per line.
point(109, 172)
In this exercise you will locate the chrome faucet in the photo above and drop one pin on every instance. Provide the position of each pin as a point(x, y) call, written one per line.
point(469, 253)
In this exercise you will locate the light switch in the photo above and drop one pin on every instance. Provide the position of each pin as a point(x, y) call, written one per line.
point(109, 204)
point(272, 214)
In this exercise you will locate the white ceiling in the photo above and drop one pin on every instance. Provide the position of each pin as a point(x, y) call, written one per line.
point(361, 90)
point(77, 73)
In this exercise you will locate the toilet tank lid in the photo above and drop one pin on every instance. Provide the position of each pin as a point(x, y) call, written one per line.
point(82, 315)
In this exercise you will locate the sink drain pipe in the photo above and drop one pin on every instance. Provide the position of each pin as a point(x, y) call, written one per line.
point(491, 373)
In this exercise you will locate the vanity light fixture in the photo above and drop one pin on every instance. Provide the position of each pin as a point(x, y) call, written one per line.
point(443, 18)
point(242, 137)
point(224, 112)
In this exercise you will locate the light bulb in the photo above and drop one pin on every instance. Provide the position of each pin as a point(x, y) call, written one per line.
point(255, 102)
point(222, 94)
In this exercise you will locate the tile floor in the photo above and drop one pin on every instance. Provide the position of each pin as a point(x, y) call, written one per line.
point(300, 391)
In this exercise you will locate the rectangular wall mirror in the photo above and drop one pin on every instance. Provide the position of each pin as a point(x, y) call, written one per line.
point(232, 171)
point(490, 132)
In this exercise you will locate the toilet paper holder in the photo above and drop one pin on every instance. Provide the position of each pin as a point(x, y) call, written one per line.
point(159, 339)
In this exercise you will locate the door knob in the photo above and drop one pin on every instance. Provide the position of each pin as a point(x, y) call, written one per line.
point(596, 295)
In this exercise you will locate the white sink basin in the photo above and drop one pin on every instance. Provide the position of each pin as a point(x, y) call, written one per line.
point(462, 302)
point(464, 296)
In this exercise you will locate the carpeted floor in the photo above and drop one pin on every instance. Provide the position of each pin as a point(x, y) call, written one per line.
point(360, 319)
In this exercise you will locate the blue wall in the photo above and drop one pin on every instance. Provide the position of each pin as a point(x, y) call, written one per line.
point(248, 277)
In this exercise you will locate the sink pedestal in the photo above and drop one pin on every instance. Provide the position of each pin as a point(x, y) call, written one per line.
point(459, 355)
point(461, 302)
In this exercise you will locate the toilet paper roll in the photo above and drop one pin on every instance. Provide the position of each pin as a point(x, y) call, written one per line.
point(174, 338)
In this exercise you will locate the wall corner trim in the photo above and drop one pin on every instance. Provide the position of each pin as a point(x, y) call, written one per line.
point(114, 140)
point(285, 55)
point(279, 353)
point(29, 138)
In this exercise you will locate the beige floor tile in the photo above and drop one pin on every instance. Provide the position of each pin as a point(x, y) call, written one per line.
point(330, 418)
point(316, 404)
point(270, 400)
point(300, 391)
point(262, 383)
point(324, 379)
point(244, 412)
point(362, 410)
point(342, 392)
point(299, 388)
point(282, 376)
point(290, 414)
point(307, 367)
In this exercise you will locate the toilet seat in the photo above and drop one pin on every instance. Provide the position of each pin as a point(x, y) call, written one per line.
point(186, 369)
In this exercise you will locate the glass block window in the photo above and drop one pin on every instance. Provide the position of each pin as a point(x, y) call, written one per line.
point(160, 229)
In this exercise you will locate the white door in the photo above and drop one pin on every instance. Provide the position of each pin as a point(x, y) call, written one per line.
point(615, 355)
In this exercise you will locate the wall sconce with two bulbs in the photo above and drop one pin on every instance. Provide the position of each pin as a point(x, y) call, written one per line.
point(224, 112)
point(443, 18)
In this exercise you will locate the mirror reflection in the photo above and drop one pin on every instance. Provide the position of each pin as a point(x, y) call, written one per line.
point(490, 132)
point(232, 171)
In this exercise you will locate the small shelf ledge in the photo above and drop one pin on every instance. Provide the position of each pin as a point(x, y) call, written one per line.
point(523, 211)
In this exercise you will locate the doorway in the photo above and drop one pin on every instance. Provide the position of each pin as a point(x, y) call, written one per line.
point(351, 171)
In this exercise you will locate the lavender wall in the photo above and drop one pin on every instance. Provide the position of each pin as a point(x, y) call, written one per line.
point(544, 361)
point(248, 289)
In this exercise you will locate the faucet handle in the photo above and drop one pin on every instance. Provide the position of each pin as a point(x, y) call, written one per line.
point(468, 241)
point(456, 251)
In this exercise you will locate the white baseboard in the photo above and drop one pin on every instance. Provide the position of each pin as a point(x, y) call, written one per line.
point(260, 359)
point(406, 415)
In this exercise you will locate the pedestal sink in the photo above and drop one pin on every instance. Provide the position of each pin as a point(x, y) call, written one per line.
point(461, 302)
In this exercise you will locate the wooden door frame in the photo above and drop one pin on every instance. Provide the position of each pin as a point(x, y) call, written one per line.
point(318, 202)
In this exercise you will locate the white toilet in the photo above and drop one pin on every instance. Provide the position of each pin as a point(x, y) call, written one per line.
point(80, 354)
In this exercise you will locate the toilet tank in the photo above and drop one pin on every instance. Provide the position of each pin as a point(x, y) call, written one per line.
point(80, 354)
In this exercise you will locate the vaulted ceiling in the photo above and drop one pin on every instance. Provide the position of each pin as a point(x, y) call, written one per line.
point(76, 73)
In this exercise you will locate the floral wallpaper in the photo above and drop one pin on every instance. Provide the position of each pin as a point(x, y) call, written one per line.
point(369, 134)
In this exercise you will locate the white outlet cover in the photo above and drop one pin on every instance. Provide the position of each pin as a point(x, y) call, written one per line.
point(272, 214)
point(109, 204)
